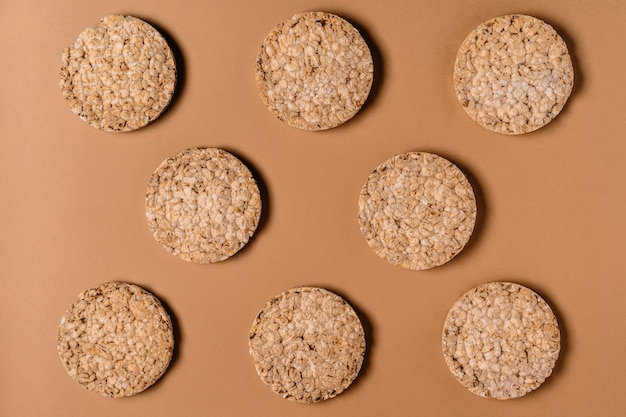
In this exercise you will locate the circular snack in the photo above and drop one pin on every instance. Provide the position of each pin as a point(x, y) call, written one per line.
point(203, 205)
point(307, 344)
point(314, 71)
point(513, 74)
point(501, 340)
point(119, 75)
point(417, 210)
point(116, 339)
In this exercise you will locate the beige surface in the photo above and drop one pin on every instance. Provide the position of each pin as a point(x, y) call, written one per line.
point(550, 209)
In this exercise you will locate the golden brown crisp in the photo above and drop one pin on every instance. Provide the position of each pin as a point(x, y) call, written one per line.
point(203, 205)
point(513, 74)
point(307, 344)
point(314, 71)
point(119, 75)
point(417, 210)
point(501, 340)
point(116, 339)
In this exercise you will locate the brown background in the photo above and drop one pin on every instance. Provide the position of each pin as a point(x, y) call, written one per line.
point(551, 209)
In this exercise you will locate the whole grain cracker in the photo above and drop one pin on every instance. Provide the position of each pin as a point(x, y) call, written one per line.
point(116, 339)
point(119, 75)
point(417, 210)
point(501, 340)
point(314, 71)
point(513, 74)
point(307, 344)
point(203, 205)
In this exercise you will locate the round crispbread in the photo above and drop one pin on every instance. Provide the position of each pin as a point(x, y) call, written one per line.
point(314, 71)
point(119, 75)
point(417, 210)
point(203, 205)
point(307, 344)
point(501, 340)
point(116, 339)
point(513, 74)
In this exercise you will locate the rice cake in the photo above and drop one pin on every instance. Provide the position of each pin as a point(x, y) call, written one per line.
point(314, 71)
point(119, 75)
point(417, 210)
point(307, 344)
point(501, 340)
point(513, 74)
point(203, 205)
point(116, 339)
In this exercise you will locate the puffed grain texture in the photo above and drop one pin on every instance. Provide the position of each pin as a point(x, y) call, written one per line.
point(501, 340)
point(314, 71)
point(307, 344)
point(119, 75)
point(203, 205)
point(513, 74)
point(116, 339)
point(417, 210)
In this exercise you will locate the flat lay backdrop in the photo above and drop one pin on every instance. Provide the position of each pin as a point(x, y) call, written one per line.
point(551, 209)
